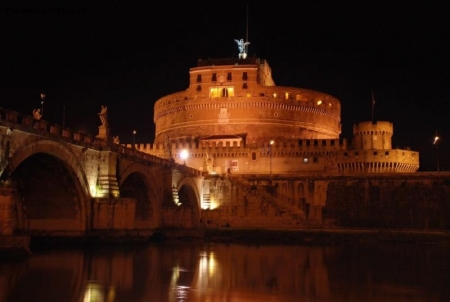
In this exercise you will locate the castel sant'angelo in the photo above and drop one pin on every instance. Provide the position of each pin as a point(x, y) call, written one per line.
point(234, 119)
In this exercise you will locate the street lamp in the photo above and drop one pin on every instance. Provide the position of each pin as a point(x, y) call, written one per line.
point(42, 104)
point(270, 155)
point(134, 139)
point(184, 154)
point(436, 142)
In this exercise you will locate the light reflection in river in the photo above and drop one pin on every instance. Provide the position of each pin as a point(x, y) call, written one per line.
point(200, 272)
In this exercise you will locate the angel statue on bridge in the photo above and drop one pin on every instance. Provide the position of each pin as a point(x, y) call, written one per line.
point(37, 114)
point(103, 114)
point(242, 46)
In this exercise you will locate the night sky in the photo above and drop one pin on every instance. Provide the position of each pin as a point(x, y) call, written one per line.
point(83, 56)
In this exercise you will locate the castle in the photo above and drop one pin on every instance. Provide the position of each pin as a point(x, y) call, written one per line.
point(234, 119)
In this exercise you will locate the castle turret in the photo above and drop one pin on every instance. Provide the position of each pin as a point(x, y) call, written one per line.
point(373, 135)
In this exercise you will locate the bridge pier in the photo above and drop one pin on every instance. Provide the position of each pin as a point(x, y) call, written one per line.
point(7, 239)
point(113, 213)
point(6, 211)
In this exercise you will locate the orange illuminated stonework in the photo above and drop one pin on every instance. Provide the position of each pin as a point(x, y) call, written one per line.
point(232, 110)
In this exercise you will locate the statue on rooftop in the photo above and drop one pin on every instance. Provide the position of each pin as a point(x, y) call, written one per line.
point(103, 114)
point(241, 46)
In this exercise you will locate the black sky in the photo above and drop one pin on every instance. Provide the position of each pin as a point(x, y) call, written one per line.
point(127, 56)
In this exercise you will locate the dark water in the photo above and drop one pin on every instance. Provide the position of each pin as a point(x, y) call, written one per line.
point(193, 271)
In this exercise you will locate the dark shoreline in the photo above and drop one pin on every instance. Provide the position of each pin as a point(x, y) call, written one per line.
point(268, 236)
point(234, 235)
point(316, 236)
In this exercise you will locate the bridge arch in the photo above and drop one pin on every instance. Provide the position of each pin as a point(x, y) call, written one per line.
point(187, 183)
point(58, 204)
point(140, 182)
point(182, 209)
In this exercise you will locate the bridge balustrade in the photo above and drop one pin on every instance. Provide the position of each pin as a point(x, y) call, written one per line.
point(23, 122)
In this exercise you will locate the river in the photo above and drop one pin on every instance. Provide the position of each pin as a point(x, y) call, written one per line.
point(208, 272)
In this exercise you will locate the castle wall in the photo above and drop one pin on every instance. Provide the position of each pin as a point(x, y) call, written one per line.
point(256, 116)
point(382, 202)
point(335, 156)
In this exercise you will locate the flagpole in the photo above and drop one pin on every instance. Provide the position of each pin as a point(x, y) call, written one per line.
point(373, 106)
point(246, 31)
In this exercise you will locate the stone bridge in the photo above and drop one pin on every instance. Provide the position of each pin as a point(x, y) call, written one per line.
point(64, 183)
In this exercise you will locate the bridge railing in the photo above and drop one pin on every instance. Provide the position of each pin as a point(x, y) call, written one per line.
point(145, 157)
point(26, 123)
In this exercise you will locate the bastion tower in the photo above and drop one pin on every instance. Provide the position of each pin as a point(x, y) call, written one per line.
point(234, 119)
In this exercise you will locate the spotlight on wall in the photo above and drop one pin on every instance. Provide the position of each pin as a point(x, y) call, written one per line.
point(184, 154)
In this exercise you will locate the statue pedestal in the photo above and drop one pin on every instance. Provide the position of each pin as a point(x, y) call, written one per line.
point(103, 133)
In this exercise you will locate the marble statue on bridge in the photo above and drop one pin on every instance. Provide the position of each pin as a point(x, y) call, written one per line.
point(37, 114)
point(103, 130)
point(103, 114)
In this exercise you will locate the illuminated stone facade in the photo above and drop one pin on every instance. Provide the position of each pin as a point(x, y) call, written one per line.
point(234, 119)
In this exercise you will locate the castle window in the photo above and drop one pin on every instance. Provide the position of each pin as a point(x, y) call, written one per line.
point(244, 86)
point(319, 102)
point(220, 92)
point(386, 153)
point(199, 78)
point(199, 87)
point(345, 154)
point(214, 77)
point(315, 159)
point(316, 142)
point(253, 155)
point(244, 76)
point(262, 94)
point(286, 95)
point(301, 97)
point(249, 95)
point(375, 153)
point(324, 142)
point(308, 142)
point(274, 95)
point(305, 160)
point(229, 76)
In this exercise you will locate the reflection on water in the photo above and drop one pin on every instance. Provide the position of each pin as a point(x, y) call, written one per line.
point(176, 272)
